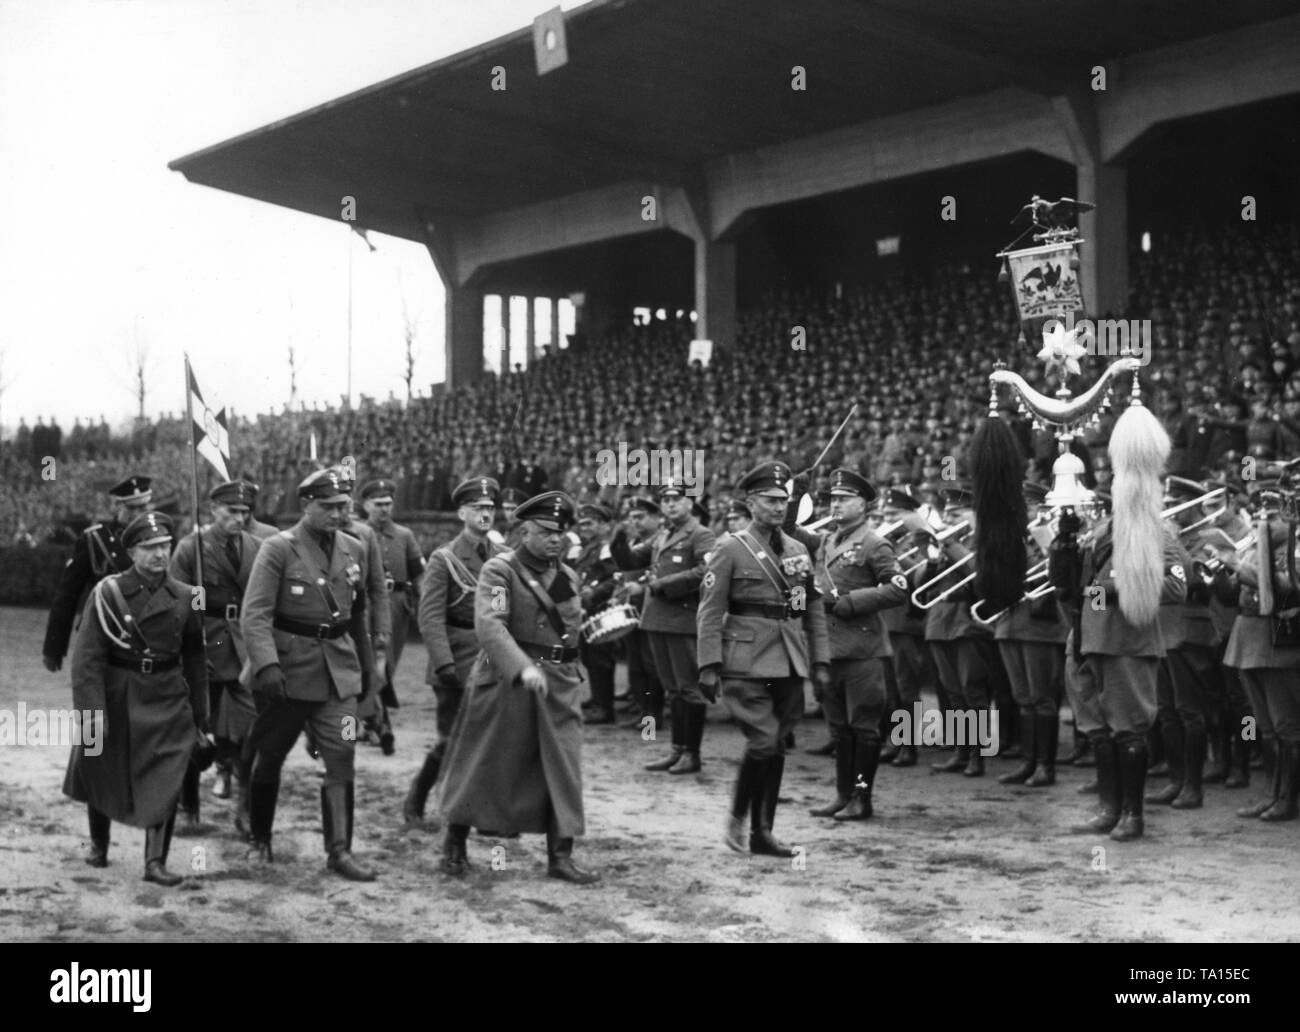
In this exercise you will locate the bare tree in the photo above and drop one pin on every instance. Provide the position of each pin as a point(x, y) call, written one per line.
point(5, 383)
point(409, 327)
point(293, 378)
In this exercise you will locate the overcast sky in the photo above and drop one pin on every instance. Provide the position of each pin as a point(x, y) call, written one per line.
point(102, 246)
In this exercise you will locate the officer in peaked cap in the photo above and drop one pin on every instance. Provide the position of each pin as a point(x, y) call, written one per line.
point(97, 553)
point(138, 668)
point(403, 567)
point(228, 550)
point(674, 560)
point(446, 619)
point(737, 516)
point(858, 577)
point(644, 687)
point(252, 524)
point(515, 760)
point(302, 620)
point(761, 633)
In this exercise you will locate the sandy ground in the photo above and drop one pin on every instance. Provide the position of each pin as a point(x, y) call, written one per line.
point(946, 858)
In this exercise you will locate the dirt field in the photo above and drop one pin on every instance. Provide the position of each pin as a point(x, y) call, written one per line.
point(946, 858)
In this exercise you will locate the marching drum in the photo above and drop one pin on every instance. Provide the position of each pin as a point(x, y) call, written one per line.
point(610, 624)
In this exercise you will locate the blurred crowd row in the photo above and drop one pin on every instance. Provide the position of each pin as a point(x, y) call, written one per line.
point(913, 355)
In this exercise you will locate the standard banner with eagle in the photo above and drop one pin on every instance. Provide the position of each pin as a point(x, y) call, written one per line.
point(1045, 286)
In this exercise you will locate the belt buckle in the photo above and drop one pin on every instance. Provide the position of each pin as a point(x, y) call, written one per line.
point(557, 654)
point(389, 583)
point(146, 665)
point(232, 611)
point(323, 631)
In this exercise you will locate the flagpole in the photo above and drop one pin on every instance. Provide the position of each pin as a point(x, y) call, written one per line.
point(194, 492)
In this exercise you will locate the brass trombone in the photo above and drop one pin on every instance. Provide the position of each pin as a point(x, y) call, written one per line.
point(957, 530)
point(963, 561)
point(1211, 565)
point(1037, 572)
point(1191, 503)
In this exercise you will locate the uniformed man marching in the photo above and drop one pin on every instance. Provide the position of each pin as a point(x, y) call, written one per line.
point(675, 559)
point(301, 620)
point(228, 554)
point(446, 618)
point(138, 675)
point(515, 759)
point(858, 577)
point(98, 552)
point(403, 567)
point(372, 647)
point(761, 633)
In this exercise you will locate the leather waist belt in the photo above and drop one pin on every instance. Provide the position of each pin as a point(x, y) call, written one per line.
point(144, 664)
point(228, 610)
point(550, 653)
point(464, 625)
point(309, 630)
point(767, 611)
point(396, 585)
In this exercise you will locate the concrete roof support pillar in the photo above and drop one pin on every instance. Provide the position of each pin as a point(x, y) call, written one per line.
point(530, 341)
point(555, 326)
point(715, 291)
point(1104, 257)
point(503, 365)
point(464, 336)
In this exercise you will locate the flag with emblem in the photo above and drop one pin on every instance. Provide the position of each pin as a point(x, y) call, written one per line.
point(211, 438)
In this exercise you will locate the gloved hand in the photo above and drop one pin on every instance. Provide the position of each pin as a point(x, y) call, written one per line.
point(652, 585)
point(709, 683)
point(446, 678)
point(821, 679)
point(270, 682)
point(843, 607)
point(53, 663)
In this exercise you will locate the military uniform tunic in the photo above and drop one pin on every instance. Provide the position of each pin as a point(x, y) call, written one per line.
point(514, 763)
point(97, 553)
point(150, 710)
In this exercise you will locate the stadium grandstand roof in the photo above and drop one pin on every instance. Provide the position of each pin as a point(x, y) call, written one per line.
point(655, 88)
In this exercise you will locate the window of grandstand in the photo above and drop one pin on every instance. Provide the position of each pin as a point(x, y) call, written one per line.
point(640, 317)
point(887, 245)
point(1146, 243)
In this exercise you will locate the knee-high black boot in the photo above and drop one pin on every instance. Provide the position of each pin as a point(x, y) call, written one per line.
point(422, 784)
point(100, 827)
point(1028, 729)
point(845, 769)
point(1132, 754)
point(262, 797)
point(455, 854)
point(190, 823)
point(1047, 728)
point(1107, 763)
point(747, 781)
point(1287, 805)
point(693, 715)
point(1171, 734)
point(762, 810)
point(678, 710)
point(1191, 796)
point(157, 841)
point(336, 803)
point(867, 753)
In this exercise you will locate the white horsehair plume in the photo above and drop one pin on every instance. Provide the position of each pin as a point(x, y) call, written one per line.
point(1139, 449)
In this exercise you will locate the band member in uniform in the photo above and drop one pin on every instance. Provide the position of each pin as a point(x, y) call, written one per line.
point(1128, 569)
point(515, 759)
point(963, 649)
point(675, 559)
point(737, 517)
point(446, 618)
point(644, 688)
point(228, 554)
point(1031, 639)
point(910, 667)
point(597, 572)
point(762, 631)
point(858, 577)
point(138, 673)
point(1189, 674)
point(302, 620)
point(97, 553)
point(1267, 659)
point(403, 567)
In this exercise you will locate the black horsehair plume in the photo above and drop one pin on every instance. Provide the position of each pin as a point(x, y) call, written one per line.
point(1001, 519)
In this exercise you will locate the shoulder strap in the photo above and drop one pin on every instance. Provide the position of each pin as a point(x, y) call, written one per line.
point(322, 584)
point(784, 586)
point(535, 586)
point(120, 610)
point(460, 573)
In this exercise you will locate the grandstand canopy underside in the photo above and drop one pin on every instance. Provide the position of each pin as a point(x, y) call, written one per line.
point(541, 187)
